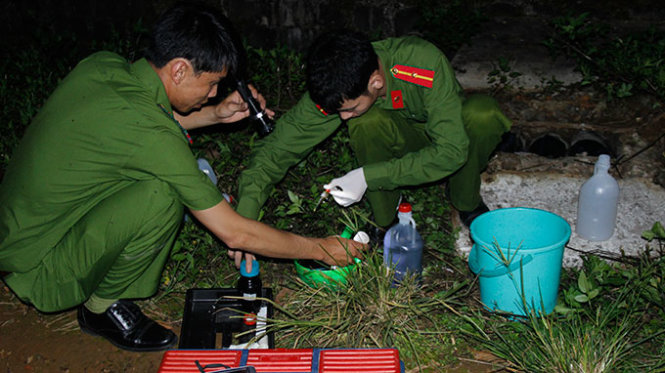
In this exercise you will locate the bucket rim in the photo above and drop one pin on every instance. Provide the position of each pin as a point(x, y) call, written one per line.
point(558, 244)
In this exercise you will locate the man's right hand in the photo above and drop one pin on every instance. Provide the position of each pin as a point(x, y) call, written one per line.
point(340, 251)
point(242, 234)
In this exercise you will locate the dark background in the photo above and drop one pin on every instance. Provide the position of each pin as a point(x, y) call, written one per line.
point(294, 23)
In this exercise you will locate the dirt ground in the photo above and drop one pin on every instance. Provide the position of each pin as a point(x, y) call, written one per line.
point(31, 341)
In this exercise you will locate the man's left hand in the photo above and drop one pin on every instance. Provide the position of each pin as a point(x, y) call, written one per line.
point(349, 188)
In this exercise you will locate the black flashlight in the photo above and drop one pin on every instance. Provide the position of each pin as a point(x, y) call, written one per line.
point(264, 125)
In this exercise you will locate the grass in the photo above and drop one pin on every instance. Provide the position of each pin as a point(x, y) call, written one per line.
point(369, 312)
point(609, 316)
point(614, 333)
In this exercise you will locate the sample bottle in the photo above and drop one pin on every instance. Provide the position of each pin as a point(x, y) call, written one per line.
point(205, 167)
point(597, 203)
point(403, 246)
point(249, 286)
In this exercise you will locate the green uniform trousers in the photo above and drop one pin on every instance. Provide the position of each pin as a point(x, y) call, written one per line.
point(116, 251)
point(380, 135)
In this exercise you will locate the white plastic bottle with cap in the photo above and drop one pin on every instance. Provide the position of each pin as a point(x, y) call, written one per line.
point(403, 246)
point(597, 204)
point(205, 167)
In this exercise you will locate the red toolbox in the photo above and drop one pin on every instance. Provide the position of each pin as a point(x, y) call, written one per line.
point(382, 360)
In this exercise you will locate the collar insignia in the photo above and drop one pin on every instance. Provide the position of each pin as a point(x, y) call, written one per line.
point(396, 99)
point(321, 110)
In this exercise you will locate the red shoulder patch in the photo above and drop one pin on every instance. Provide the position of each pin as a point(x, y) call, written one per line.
point(321, 110)
point(415, 75)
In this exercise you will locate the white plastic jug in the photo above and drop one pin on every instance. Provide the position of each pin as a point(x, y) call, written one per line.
point(403, 245)
point(597, 204)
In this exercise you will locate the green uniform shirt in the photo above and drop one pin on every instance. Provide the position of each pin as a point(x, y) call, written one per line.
point(102, 130)
point(304, 126)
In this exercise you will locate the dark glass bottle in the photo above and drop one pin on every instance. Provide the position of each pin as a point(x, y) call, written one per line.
point(249, 286)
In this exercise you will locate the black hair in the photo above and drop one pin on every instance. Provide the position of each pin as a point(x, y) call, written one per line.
point(339, 64)
point(198, 33)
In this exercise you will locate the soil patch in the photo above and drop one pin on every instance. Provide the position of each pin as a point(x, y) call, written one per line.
point(37, 342)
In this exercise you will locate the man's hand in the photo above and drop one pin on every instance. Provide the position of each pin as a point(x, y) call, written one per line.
point(236, 256)
point(349, 188)
point(233, 108)
point(340, 251)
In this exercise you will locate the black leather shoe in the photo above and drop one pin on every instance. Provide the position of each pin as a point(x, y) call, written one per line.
point(124, 325)
point(467, 217)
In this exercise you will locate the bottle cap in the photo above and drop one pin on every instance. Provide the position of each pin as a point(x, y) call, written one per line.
point(249, 319)
point(243, 269)
point(404, 207)
point(361, 237)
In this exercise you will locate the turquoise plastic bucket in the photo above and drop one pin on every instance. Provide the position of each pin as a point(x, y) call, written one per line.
point(517, 255)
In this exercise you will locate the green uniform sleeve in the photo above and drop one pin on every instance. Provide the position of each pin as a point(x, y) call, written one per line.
point(295, 135)
point(440, 107)
point(179, 170)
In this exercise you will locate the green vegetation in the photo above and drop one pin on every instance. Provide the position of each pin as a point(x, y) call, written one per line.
point(449, 26)
point(609, 315)
point(620, 64)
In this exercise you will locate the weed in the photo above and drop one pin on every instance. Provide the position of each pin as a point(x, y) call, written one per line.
point(656, 232)
point(599, 342)
point(368, 311)
point(449, 25)
point(619, 64)
point(502, 77)
point(279, 73)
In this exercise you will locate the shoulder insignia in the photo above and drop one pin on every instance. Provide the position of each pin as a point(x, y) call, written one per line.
point(321, 110)
point(415, 75)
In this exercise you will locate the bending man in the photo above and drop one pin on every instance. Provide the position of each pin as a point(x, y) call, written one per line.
point(408, 122)
point(93, 198)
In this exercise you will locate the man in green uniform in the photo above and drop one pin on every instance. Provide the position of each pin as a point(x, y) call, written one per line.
point(94, 195)
point(408, 123)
